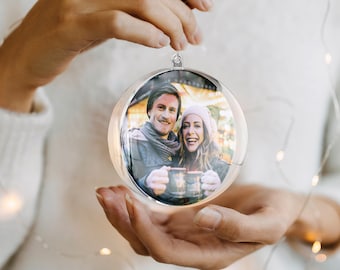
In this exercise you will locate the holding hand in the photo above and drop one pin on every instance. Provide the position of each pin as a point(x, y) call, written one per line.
point(242, 220)
point(210, 181)
point(158, 180)
point(54, 32)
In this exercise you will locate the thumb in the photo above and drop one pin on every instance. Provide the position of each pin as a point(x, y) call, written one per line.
point(262, 226)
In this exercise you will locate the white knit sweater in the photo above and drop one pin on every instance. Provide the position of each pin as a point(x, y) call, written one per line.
point(269, 53)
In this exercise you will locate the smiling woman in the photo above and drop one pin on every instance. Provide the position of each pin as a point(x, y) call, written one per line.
point(193, 132)
point(199, 150)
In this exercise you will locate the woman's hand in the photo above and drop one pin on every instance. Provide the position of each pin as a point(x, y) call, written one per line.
point(158, 180)
point(55, 31)
point(242, 220)
point(183, 238)
point(210, 181)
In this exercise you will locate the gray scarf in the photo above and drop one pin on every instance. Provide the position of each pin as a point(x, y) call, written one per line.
point(166, 147)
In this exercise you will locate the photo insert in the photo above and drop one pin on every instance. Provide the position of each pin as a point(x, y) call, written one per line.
point(179, 137)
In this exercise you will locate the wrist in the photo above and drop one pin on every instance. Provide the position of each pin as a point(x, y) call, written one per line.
point(16, 93)
point(319, 220)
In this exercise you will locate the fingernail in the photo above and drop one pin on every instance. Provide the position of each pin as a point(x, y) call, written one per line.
point(128, 199)
point(208, 219)
point(100, 198)
point(164, 40)
point(181, 44)
point(129, 205)
point(196, 38)
point(207, 4)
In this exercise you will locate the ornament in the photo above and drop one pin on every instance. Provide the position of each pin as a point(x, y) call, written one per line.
point(178, 136)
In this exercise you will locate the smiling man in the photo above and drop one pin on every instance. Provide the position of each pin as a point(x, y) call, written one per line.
point(153, 148)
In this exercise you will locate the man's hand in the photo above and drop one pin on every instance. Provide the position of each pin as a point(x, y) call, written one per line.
point(158, 180)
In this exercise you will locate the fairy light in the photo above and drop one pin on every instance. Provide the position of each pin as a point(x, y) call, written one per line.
point(10, 205)
point(315, 180)
point(320, 258)
point(316, 247)
point(328, 58)
point(105, 252)
point(280, 155)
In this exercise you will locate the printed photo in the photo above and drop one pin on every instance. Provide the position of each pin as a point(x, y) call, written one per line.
point(179, 138)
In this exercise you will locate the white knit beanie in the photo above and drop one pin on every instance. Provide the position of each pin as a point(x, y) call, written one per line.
point(204, 114)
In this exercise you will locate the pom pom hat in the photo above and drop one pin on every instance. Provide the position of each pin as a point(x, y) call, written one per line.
point(204, 114)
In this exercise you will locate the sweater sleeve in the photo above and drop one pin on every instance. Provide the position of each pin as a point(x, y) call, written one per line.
point(22, 138)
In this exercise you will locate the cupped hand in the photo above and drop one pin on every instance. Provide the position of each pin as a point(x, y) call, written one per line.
point(207, 237)
point(54, 32)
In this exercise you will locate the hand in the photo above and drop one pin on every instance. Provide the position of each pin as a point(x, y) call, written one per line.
point(54, 32)
point(208, 239)
point(242, 220)
point(158, 180)
point(210, 182)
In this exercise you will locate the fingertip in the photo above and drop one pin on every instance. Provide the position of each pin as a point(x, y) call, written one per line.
point(106, 196)
point(163, 40)
point(207, 4)
point(101, 193)
point(197, 36)
point(100, 198)
point(202, 5)
point(181, 44)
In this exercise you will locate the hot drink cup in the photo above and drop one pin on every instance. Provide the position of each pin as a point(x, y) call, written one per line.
point(176, 186)
point(193, 183)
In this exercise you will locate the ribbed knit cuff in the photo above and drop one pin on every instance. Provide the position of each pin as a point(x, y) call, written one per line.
point(20, 132)
point(22, 139)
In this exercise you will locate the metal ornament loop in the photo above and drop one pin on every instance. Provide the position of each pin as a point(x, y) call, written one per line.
point(177, 60)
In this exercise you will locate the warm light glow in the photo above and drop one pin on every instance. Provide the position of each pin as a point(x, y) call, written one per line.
point(315, 180)
point(321, 257)
point(328, 58)
point(280, 155)
point(316, 247)
point(105, 251)
point(10, 204)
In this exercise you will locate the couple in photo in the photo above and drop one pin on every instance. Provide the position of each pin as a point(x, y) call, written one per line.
point(155, 148)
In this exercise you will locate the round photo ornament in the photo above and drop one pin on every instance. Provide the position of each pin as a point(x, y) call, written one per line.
point(177, 137)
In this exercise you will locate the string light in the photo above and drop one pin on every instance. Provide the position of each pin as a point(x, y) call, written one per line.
point(328, 58)
point(315, 180)
point(105, 252)
point(320, 257)
point(316, 247)
point(10, 205)
point(280, 155)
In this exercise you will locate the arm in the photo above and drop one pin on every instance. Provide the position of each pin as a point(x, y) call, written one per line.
point(22, 138)
point(55, 32)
